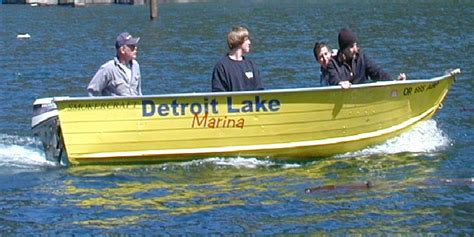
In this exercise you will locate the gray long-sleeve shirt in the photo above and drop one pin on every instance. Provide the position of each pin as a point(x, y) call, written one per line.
point(111, 80)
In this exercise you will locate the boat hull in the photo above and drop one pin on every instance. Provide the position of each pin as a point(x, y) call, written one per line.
point(281, 124)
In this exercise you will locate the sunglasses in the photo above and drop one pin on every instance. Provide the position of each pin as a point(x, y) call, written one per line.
point(132, 47)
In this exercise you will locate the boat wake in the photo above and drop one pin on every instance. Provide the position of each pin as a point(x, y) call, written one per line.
point(239, 162)
point(21, 153)
point(25, 153)
point(424, 137)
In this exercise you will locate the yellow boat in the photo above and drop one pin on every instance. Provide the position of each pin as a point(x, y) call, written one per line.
point(302, 124)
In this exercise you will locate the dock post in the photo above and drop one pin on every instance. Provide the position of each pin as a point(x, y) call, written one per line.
point(153, 9)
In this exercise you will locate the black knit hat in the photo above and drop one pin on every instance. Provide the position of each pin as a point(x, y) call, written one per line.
point(346, 38)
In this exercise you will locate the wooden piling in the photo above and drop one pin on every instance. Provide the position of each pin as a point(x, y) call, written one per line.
point(153, 9)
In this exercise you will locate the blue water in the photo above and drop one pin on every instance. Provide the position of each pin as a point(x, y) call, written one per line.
point(420, 180)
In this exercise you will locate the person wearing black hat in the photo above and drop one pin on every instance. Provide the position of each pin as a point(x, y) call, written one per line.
point(352, 66)
point(120, 76)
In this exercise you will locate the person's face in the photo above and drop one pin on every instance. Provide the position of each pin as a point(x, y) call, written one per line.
point(129, 52)
point(352, 51)
point(324, 57)
point(246, 46)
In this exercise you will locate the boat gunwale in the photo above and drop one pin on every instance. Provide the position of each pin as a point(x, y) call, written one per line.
point(268, 91)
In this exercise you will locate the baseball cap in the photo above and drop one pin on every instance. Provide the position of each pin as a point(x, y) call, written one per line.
point(125, 38)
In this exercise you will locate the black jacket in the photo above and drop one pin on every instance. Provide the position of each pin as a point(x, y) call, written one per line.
point(231, 75)
point(362, 69)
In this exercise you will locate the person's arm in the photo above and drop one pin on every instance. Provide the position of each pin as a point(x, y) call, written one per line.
point(375, 72)
point(139, 79)
point(140, 87)
point(98, 82)
point(332, 77)
point(323, 77)
point(258, 78)
point(219, 80)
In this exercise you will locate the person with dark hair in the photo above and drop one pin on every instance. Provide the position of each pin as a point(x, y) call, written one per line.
point(323, 55)
point(352, 66)
point(235, 72)
point(120, 76)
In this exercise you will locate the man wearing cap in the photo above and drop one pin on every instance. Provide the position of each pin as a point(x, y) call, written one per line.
point(352, 66)
point(120, 76)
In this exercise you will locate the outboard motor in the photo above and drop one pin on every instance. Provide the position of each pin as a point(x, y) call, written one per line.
point(45, 126)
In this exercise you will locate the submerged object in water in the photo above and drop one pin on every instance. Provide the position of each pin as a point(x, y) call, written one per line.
point(365, 185)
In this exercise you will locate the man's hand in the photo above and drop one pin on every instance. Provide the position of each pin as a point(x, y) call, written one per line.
point(401, 77)
point(345, 84)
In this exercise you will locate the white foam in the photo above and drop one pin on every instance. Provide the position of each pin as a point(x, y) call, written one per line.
point(424, 137)
point(21, 152)
point(6, 139)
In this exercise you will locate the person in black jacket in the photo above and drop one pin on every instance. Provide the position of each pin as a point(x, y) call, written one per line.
point(235, 72)
point(323, 55)
point(352, 66)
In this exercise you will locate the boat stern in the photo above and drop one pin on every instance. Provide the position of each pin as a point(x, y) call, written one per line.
point(45, 126)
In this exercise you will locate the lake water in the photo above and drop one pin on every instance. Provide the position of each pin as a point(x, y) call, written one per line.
point(411, 192)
